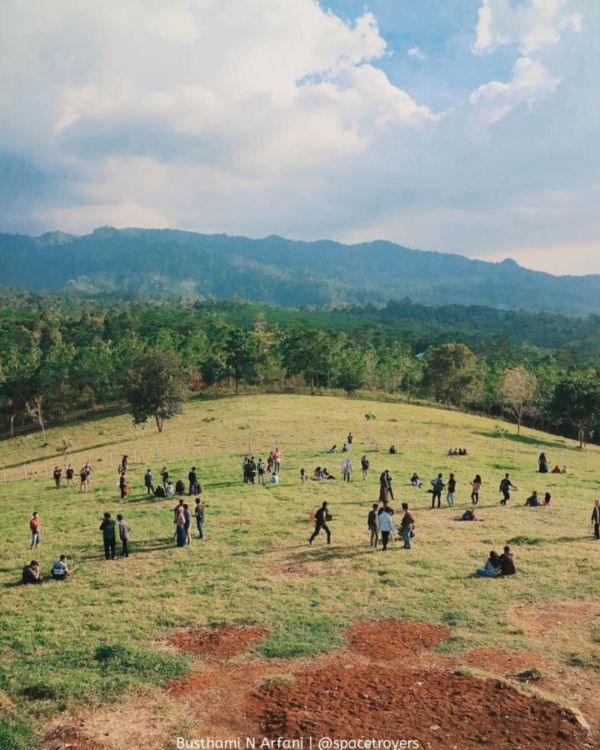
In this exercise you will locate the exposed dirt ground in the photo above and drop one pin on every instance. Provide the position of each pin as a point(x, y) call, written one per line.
point(386, 683)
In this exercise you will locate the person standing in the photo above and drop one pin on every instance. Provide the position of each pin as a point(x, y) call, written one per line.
point(192, 481)
point(386, 527)
point(57, 474)
point(364, 465)
point(261, 470)
point(372, 525)
point(505, 486)
point(383, 492)
point(187, 515)
point(108, 529)
point(70, 473)
point(149, 482)
point(346, 469)
point(164, 475)
point(451, 489)
point(277, 461)
point(542, 464)
point(180, 533)
point(321, 517)
point(83, 483)
point(123, 535)
point(199, 515)
point(36, 530)
point(596, 519)
point(437, 485)
point(87, 470)
point(123, 488)
point(388, 484)
point(407, 526)
point(475, 488)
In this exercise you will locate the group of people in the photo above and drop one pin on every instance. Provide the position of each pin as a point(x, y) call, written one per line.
point(69, 474)
point(347, 446)
point(543, 466)
point(182, 518)
point(32, 572)
point(457, 452)
point(498, 565)
point(167, 488)
point(380, 522)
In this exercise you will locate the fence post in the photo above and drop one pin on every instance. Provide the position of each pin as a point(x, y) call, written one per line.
point(4, 473)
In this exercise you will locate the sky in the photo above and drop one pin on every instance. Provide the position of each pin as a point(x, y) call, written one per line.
point(467, 126)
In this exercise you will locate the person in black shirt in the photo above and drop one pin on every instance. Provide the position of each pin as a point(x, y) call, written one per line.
point(372, 525)
point(193, 481)
point(505, 486)
point(507, 562)
point(321, 517)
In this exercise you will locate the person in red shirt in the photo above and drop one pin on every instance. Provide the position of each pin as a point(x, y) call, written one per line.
point(36, 530)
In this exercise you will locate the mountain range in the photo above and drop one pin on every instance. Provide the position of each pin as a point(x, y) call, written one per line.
point(149, 262)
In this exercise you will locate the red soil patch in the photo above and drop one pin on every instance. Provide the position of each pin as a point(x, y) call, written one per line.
point(497, 661)
point(220, 643)
point(541, 619)
point(438, 708)
point(400, 638)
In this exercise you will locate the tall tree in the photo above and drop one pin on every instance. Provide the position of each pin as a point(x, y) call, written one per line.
point(516, 390)
point(156, 386)
point(452, 372)
point(576, 401)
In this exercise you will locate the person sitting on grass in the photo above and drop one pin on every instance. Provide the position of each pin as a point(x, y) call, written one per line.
point(274, 478)
point(468, 515)
point(333, 449)
point(303, 475)
point(31, 573)
point(393, 450)
point(492, 567)
point(507, 562)
point(533, 501)
point(60, 570)
point(547, 499)
point(415, 480)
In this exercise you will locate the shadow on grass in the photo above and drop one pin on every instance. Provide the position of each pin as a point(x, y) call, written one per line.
point(524, 439)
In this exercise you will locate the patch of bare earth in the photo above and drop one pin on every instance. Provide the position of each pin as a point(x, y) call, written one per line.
point(543, 619)
point(380, 639)
point(219, 643)
point(439, 708)
point(350, 693)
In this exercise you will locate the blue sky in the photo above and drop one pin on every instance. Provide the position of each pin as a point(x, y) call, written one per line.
point(456, 125)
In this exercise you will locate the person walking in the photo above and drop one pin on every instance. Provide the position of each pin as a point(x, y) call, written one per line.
point(437, 486)
point(108, 529)
point(149, 482)
point(475, 488)
point(505, 486)
point(57, 474)
point(451, 489)
point(407, 526)
point(372, 525)
point(199, 516)
point(36, 530)
point(386, 527)
point(596, 519)
point(321, 517)
point(123, 535)
point(388, 484)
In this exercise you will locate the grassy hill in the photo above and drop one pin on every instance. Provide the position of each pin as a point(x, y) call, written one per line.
point(67, 647)
point(159, 263)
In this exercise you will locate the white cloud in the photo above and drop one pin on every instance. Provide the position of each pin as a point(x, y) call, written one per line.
point(416, 52)
point(530, 24)
point(494, 100)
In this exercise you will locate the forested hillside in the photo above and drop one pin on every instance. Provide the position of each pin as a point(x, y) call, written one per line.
point(63, 356)
point(157, 263)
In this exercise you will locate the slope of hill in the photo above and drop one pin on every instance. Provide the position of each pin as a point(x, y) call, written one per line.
point(134, 262)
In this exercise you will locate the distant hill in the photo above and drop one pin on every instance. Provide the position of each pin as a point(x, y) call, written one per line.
point(147, 262)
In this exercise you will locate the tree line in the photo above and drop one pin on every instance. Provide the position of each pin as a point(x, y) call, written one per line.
point(61, 358)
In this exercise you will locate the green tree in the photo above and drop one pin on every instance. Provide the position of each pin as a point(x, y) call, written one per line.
point(452, 371)
point(576, 402)
point(156, 386)
point(240, 355)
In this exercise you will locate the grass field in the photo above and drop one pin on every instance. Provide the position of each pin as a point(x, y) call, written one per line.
point(63, 645)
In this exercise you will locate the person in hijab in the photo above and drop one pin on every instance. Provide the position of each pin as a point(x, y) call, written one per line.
point(596, 519)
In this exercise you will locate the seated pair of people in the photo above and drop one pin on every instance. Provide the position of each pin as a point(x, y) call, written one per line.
point(457, 452)
point(59, 571)
point(498, 565)
point(322, 474)
point(533, 501)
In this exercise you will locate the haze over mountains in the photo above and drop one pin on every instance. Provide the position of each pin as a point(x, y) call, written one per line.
point(147, 262)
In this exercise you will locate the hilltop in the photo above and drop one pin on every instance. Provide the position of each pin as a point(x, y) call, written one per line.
point(278, 271)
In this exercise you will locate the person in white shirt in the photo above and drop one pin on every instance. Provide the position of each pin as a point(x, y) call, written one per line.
point(386, 527)
point(346, 469)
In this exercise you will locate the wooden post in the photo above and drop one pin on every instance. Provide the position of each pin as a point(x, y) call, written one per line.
point(4, 473)
point(25, 471)
point(241, 515)
point(46, 467)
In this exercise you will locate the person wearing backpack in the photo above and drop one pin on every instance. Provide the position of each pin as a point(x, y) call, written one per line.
point(437, 485)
